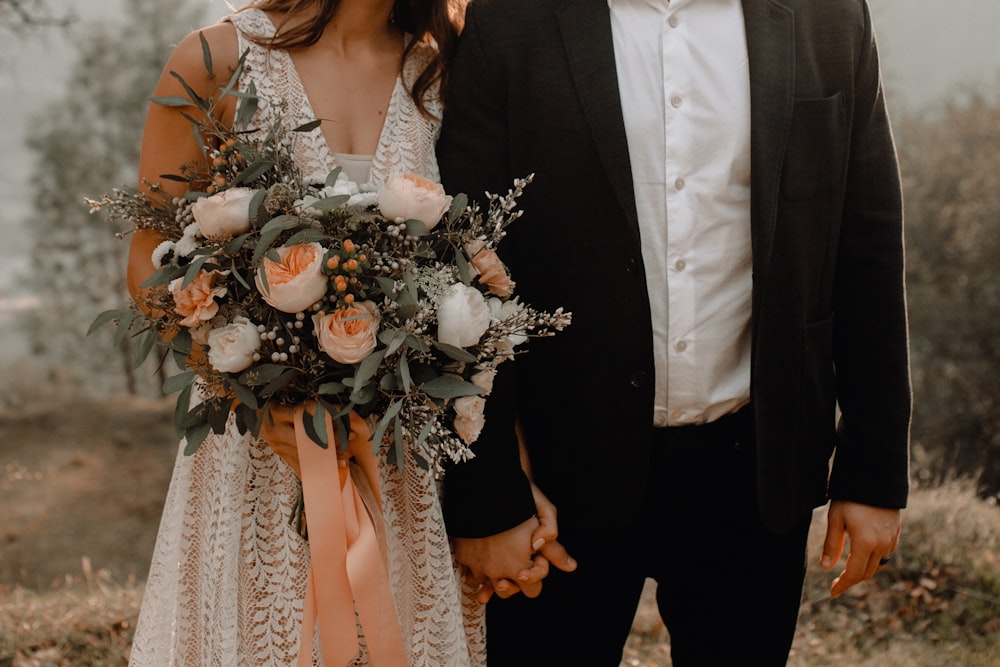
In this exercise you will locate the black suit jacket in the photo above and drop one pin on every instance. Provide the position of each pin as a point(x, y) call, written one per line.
point(533, 90)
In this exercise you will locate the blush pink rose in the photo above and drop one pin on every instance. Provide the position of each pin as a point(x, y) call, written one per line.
point(489, 268)
point(296, 281)
point(197, 302)
point(348, 335)
point(469, 419)
point(225, 214)
point(413, 197)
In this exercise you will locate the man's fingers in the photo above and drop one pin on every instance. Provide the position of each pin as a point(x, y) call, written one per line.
point(556, 554)
point(833, 545)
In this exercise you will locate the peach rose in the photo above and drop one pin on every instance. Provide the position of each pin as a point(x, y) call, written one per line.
point(225, 214)
point(489, 268)
point(413, 197)
point(197, 302)
point(348, 335)
point(296, 281)
point(469, 419)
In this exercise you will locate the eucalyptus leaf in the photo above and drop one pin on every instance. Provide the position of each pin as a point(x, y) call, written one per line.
point(331, 388)
point(279, 382)
point(195, 436)
point(458, 205)
point(366, 370)
point(178, 382)
point(416, 227)
point(462, 264)
point(124, 324)
point(448, 386)
point(145, 345)
point(456, 353)
point(332, 177)
point(239, 276)
point(198, 100)
point(383, 423)
point(104, 318)
point(398, 451)
point(316, 432)
point(243, 393)
point(397, 340)
point(193, 269)
point(330, 203)
point(181, 409)
point(258, 212)
point(254, 171)
point(206, 54)
point(218, 415)
point(319, 425)
point(247, 108)
point(173, 101)
point(417, 344)
point(236, 243)
point(404, 373)
point(308, 127)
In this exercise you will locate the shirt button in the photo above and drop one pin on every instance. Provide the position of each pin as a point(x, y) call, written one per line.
point(680, 265)
point(682, 346)
point(675, 101)
point(672, 21)
point(679, 184)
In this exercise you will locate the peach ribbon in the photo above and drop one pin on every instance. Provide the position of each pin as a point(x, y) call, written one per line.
point(347, 570)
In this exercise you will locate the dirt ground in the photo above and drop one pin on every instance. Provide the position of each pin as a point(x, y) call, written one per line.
point(85, 482)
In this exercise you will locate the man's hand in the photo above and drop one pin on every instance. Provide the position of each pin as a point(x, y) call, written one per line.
point(874, 534)
point(494, 561)
point(544, 551)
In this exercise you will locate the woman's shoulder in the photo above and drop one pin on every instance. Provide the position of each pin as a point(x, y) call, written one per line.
point(206, 57)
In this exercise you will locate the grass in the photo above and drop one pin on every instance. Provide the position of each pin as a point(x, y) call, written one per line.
point(938, 604)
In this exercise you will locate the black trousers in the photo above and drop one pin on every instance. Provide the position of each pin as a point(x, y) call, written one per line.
point(728, 589)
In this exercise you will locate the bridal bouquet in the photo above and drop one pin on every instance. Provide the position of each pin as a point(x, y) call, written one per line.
point(391, 301)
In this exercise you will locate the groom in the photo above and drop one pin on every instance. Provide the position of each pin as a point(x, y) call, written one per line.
point(716, 200)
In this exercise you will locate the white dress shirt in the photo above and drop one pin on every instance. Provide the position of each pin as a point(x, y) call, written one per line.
point(685, 91)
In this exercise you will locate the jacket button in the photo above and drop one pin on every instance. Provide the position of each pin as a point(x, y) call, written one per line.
point(631, 265)
point(637, 378)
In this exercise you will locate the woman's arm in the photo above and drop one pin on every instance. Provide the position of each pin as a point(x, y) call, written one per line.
point(168, 140)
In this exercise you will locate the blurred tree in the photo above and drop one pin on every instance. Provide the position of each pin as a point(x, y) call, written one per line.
point(951, 169)
point(87, 142)
point(18, 16)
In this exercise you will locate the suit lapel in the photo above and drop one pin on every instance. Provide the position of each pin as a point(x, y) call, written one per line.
point(585, 27)
point(771, 53)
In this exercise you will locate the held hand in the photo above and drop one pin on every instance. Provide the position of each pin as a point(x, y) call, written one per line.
point(277, 429)
point(544, 541)
point(494, 561)
point(874, 535)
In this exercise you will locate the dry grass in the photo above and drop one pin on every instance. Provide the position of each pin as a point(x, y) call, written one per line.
point(938, 605)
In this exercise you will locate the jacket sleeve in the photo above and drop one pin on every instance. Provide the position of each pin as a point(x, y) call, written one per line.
point(490, 493)
point(871, 353)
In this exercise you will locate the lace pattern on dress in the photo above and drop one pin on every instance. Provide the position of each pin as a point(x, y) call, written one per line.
point(228, 574)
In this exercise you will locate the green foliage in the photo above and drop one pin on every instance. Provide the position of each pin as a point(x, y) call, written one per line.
point(951, 170)
point(83, 141)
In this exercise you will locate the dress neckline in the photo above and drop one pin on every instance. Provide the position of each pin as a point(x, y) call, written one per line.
point(308, 110)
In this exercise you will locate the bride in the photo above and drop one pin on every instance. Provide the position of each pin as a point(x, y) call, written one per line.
point(229, 576)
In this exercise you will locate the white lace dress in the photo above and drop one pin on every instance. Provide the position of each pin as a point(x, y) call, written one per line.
point(229, 573)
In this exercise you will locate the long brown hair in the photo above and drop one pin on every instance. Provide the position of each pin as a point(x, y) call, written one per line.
point(433, 22)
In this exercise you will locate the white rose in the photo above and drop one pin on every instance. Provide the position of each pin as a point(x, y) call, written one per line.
point(463, 316)
point(411, 197)
point(225, 214)
point(469, 420)
point(231, 348)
